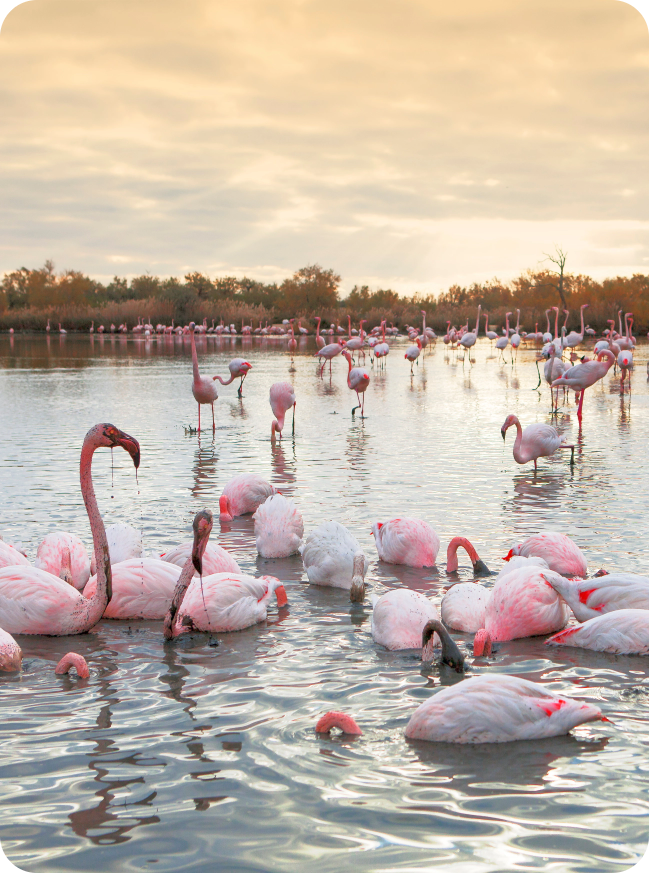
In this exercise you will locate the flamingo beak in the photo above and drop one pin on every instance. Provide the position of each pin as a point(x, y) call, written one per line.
point(129, 443)
point(503, 431)
point(509, 555)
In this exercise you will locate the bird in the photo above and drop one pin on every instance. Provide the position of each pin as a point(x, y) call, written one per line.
point(142, 588)
point(357, 380)
point(332, 556)
point(496, 708)
point(33, 601)
point(469, 339)
point(71, 660)
point(64, 555)
point(282, 397)
point(490, 334)
point(11, 557)
point(328, 353)
point(409, 541)
point(536, 441)
point(319, 340)
point(278, 527)
point(124, 542)
point(479, 567)
point(62, 329)
point(203, 388)
point(399, 618)
point(559, 552)
point(588, 598)
point(412, 353)
point(11, 655)
point(503, 341)
point(243, 494)
point(574, 339)
point(238, 367)
point(582, 376)
point(622, 632)
point(451, 655)
point(339, 720)
point(463, 606)
point(625, 363)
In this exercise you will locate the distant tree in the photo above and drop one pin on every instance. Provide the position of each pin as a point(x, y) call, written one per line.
point(202, 285)
point(183, 297)
point(225, 288)
point(309, 290)
point(145, 286)
point(74, 287)
point(559, 260)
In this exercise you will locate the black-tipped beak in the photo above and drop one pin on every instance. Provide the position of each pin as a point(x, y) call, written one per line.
point(130, 444)
point(502, 433)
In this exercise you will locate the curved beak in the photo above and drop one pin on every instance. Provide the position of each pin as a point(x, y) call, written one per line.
point(131, 445)
point(202, 529)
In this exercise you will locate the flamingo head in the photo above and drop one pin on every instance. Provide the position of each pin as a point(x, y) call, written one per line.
point(225, 508)
point(202, 529)
point(510, 554)
point(376, 527)
point(192, 325)
point(509, 421)
point(111, 437)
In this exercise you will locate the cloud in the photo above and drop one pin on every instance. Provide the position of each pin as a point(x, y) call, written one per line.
point(409, 141)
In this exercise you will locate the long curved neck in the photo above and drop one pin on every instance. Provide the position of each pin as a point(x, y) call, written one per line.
point(582, 320)
point(451, 553)
point(450, 652)
point(519, 438)
point(547, 317)
point(619, 318)
point(172, 626)
point(91, 610)
point(197, 375)
point(556, 323)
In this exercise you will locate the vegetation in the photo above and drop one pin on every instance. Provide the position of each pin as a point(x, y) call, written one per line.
point(29, 297)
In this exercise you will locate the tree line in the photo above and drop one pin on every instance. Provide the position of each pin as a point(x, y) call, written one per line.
point(28, 296)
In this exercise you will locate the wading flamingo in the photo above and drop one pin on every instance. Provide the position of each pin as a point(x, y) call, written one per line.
point(71, 660)
point(333, 556)
point(409, 541)
point(623, 632)
point(536, 441)
point(557, 550)
point(238, 367)
point(282, 397)
point(584, 375)
point(503, 341)
point(357, 380)
point(319, 340)
point(412, 353)
point(399, 618)
point(278, 527)
point(203, 388)
point(242, 495)
point(328, 353)
point(35, 602)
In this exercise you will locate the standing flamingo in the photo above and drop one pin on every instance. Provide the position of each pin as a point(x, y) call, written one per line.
point(584, 375)
point(503, 341)
point(35, 602)
point(319, 340)
point(237, 367)
point(328, 352)
point(357, 380)
point(469, 339)
point(536, 441)
point(282, 397)
point(412, 353)
point(203, 388)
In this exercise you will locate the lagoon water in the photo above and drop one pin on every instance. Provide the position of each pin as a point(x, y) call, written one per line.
point(195, 756)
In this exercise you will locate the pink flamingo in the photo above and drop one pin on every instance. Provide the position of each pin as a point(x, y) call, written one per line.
point(584, 375)
point(142, 589)
point(557, 550)
point(237, 367)
point(73, 660)
point(243, 494)
point(496, 708)
point(625, 363)
point(332, 556)
point(412, 353)
point(282, 397)
point(11, 557)
point(623, 632)
point(357, 380)
point(35, 602)
point(470, 339)
point(574, 339)
point(292, 343)
point(409, 541)
point(203, 388)
point(278, 527)
point(536, 441)
point(215, 558)
point(339, 720)
point(399, 618)
point(589, 598)
point(319, 340)
point(328, 353)
point(10, 653)
point(65, 556)
point(479, 567)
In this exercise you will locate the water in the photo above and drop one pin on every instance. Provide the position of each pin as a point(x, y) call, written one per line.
point(189, 756)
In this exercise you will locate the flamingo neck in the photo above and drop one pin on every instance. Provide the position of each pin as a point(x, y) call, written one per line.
point(339, 720)
point(582, 320)
point(197, 375)
point(225, 508)
point(451, 553)
point(556, 323)
point(518, 440)
point(172, 626)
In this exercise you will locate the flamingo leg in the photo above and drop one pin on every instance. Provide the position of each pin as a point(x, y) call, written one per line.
point(581, 403)
point(240, 391)
point(539, 372)
point(199, 418)
point(213, 422)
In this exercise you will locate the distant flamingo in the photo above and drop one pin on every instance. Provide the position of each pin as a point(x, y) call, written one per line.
point(292, 343)
point(503, 341)
point(536, 441)
point(282, 398)
point(237, 367)
point(319, 340)
point(357, 380)
point(243, 494)
point(574, 339)
point(409, 541)
point(583, 376)
point(469, 339)
point(61, 329)
point(412, 353)
point(35, 602)
point(496, 708)
point(203, 388)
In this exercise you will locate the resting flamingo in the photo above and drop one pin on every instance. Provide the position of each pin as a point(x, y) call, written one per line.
point(220, 602)
point(282, 398)
point(559, 552)
point(203, 388)
point(64, 555)
point(536, 441)
point(243, 494)
point(409, 541)
point(238, 367)
point(35, 602)
point(496, 708)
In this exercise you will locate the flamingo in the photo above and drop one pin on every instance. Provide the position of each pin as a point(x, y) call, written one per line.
point(623, 632)
point(203, 388)
point(357, 380)
point(333, 557)
point(282, 397)
point(328, 353)
point(409, 541)
point(589, 598)
point(470, 339)
point(48, 328)
point(319, 340)
point(243, 494)
point(496, 708)
point(557, 550)
point(61, 329)
point(479, 567)
point(382, 349)
point(412, 353)
point(238, 367)
point(625, 363)
point(399, 618)
point(92, 328)
point(536, 441)
point(11, 655)
point(574, 339)
point(292, 343)
point(356, 343)
point(503, 341)
point(35, 602)
point(490, 334)
point(219, 602)
point(278, 527)
point(71, 660)
point(11, 557)
point(339, 720)
point(215, 558)
point(582, 376)
point(65, 556)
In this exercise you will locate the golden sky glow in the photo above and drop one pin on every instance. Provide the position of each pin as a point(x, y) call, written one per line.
point(407, 144)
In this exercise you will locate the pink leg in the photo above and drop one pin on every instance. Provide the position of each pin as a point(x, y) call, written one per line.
point(581, 403)
point(213, 422)
point(199, 418)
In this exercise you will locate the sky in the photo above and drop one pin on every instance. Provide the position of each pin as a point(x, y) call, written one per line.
point(407, 144)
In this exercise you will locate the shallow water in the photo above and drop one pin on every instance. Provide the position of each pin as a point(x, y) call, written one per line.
point(194, 756)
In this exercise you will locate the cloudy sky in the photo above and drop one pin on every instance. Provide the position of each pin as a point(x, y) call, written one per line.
point(405, 143)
